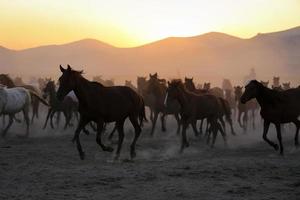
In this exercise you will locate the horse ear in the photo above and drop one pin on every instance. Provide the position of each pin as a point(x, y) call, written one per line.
point(61, 69)
point(69, 68)
point(192, 78)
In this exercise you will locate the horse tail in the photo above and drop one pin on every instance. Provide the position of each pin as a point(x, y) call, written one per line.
point(227, 110)
point(142, 113)
point(34, 94)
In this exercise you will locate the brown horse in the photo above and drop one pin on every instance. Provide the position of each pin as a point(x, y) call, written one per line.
point(35, 102)
point(276, 107)
point(68, 106)
point(216, 91)
point(286, 86)
point(129, 84)
point(244, 109)
point(102, 105)
point(142, 85)
point(157, 89)
point(190, 86)
point(109, 82)
point(193, 108)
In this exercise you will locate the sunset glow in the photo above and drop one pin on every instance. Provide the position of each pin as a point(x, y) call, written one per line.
point(127, 23)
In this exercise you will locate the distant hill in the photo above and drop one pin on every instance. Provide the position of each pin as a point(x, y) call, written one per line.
point(208, 56)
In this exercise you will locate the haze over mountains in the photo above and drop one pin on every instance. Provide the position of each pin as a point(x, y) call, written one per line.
point(210, 56)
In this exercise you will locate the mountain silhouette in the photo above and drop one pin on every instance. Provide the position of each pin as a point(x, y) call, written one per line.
point(211, 55)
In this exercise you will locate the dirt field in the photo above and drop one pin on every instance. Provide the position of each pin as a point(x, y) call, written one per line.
point(47, 166)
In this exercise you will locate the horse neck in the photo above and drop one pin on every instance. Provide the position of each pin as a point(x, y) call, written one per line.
point(183, 98)
point(265, 96)
point(81, 89)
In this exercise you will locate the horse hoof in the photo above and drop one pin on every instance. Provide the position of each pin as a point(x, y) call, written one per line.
point(276, 147)
point(163, 130)
point(82, 155)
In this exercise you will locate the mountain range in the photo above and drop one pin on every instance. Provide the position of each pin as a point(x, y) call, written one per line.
point(209, 56)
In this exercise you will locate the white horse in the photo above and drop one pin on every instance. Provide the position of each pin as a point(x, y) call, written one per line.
point(12, 101)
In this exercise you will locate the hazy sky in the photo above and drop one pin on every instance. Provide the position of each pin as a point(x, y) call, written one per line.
point(126, 23)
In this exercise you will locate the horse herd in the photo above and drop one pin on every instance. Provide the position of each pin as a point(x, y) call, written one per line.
point(95, 105)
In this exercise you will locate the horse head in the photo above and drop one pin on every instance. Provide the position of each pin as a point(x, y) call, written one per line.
point(67, 81)
point(251, 91)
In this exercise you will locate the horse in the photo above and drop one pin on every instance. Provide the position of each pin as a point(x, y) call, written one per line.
point(190, 86)
point(157, 88)
point(68, 106)
point(276, 107)
point(35, 102)
point(286, 86)
point(99, 79)
point(243, 109)
point(216, 91)
point(12, 101)
point(129, 84)
point(142, 85)
point(193, 108)
point(102, 104)
point(265, 83)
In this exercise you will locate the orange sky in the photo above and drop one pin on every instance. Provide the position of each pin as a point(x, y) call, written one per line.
point(126, 23)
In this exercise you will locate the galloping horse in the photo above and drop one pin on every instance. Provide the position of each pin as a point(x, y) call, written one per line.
point(245, 108)
point(15, 100)
point(190, 86)
point(102, 105)
point(6, 80)
point(193, 108)
point(276, 107)
point(157, 88)
point(68, 106)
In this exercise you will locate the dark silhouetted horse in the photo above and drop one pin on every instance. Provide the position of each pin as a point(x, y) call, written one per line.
point(103, 105)
point(195, 107)
point(157, 89)
point(276, 107)
point(68, 106)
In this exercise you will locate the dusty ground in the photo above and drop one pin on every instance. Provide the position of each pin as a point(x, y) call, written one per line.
point(47, 166)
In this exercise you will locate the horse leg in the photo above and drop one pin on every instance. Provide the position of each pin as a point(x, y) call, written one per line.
point(184, 142)
point(112, 133)
point(163, 122)
point(278, 130)
point(253, 119)
point(223, 133)
point(239, 118)
point(8, 125)
point(82, 123)
point(223, 124)
point(214, 127)
point(120, 127)
point(47, 118)
point(26, 117)
point(194, 126)
point(100, 127)
point(245, 120)
point(137, 131)
point(51, 119)
point(154, 122)
point(207, 126)
point(297, 123)
point(201, 127)
point(266, 128)
point(151, 115)
point(67, 119)
point(178, 123)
